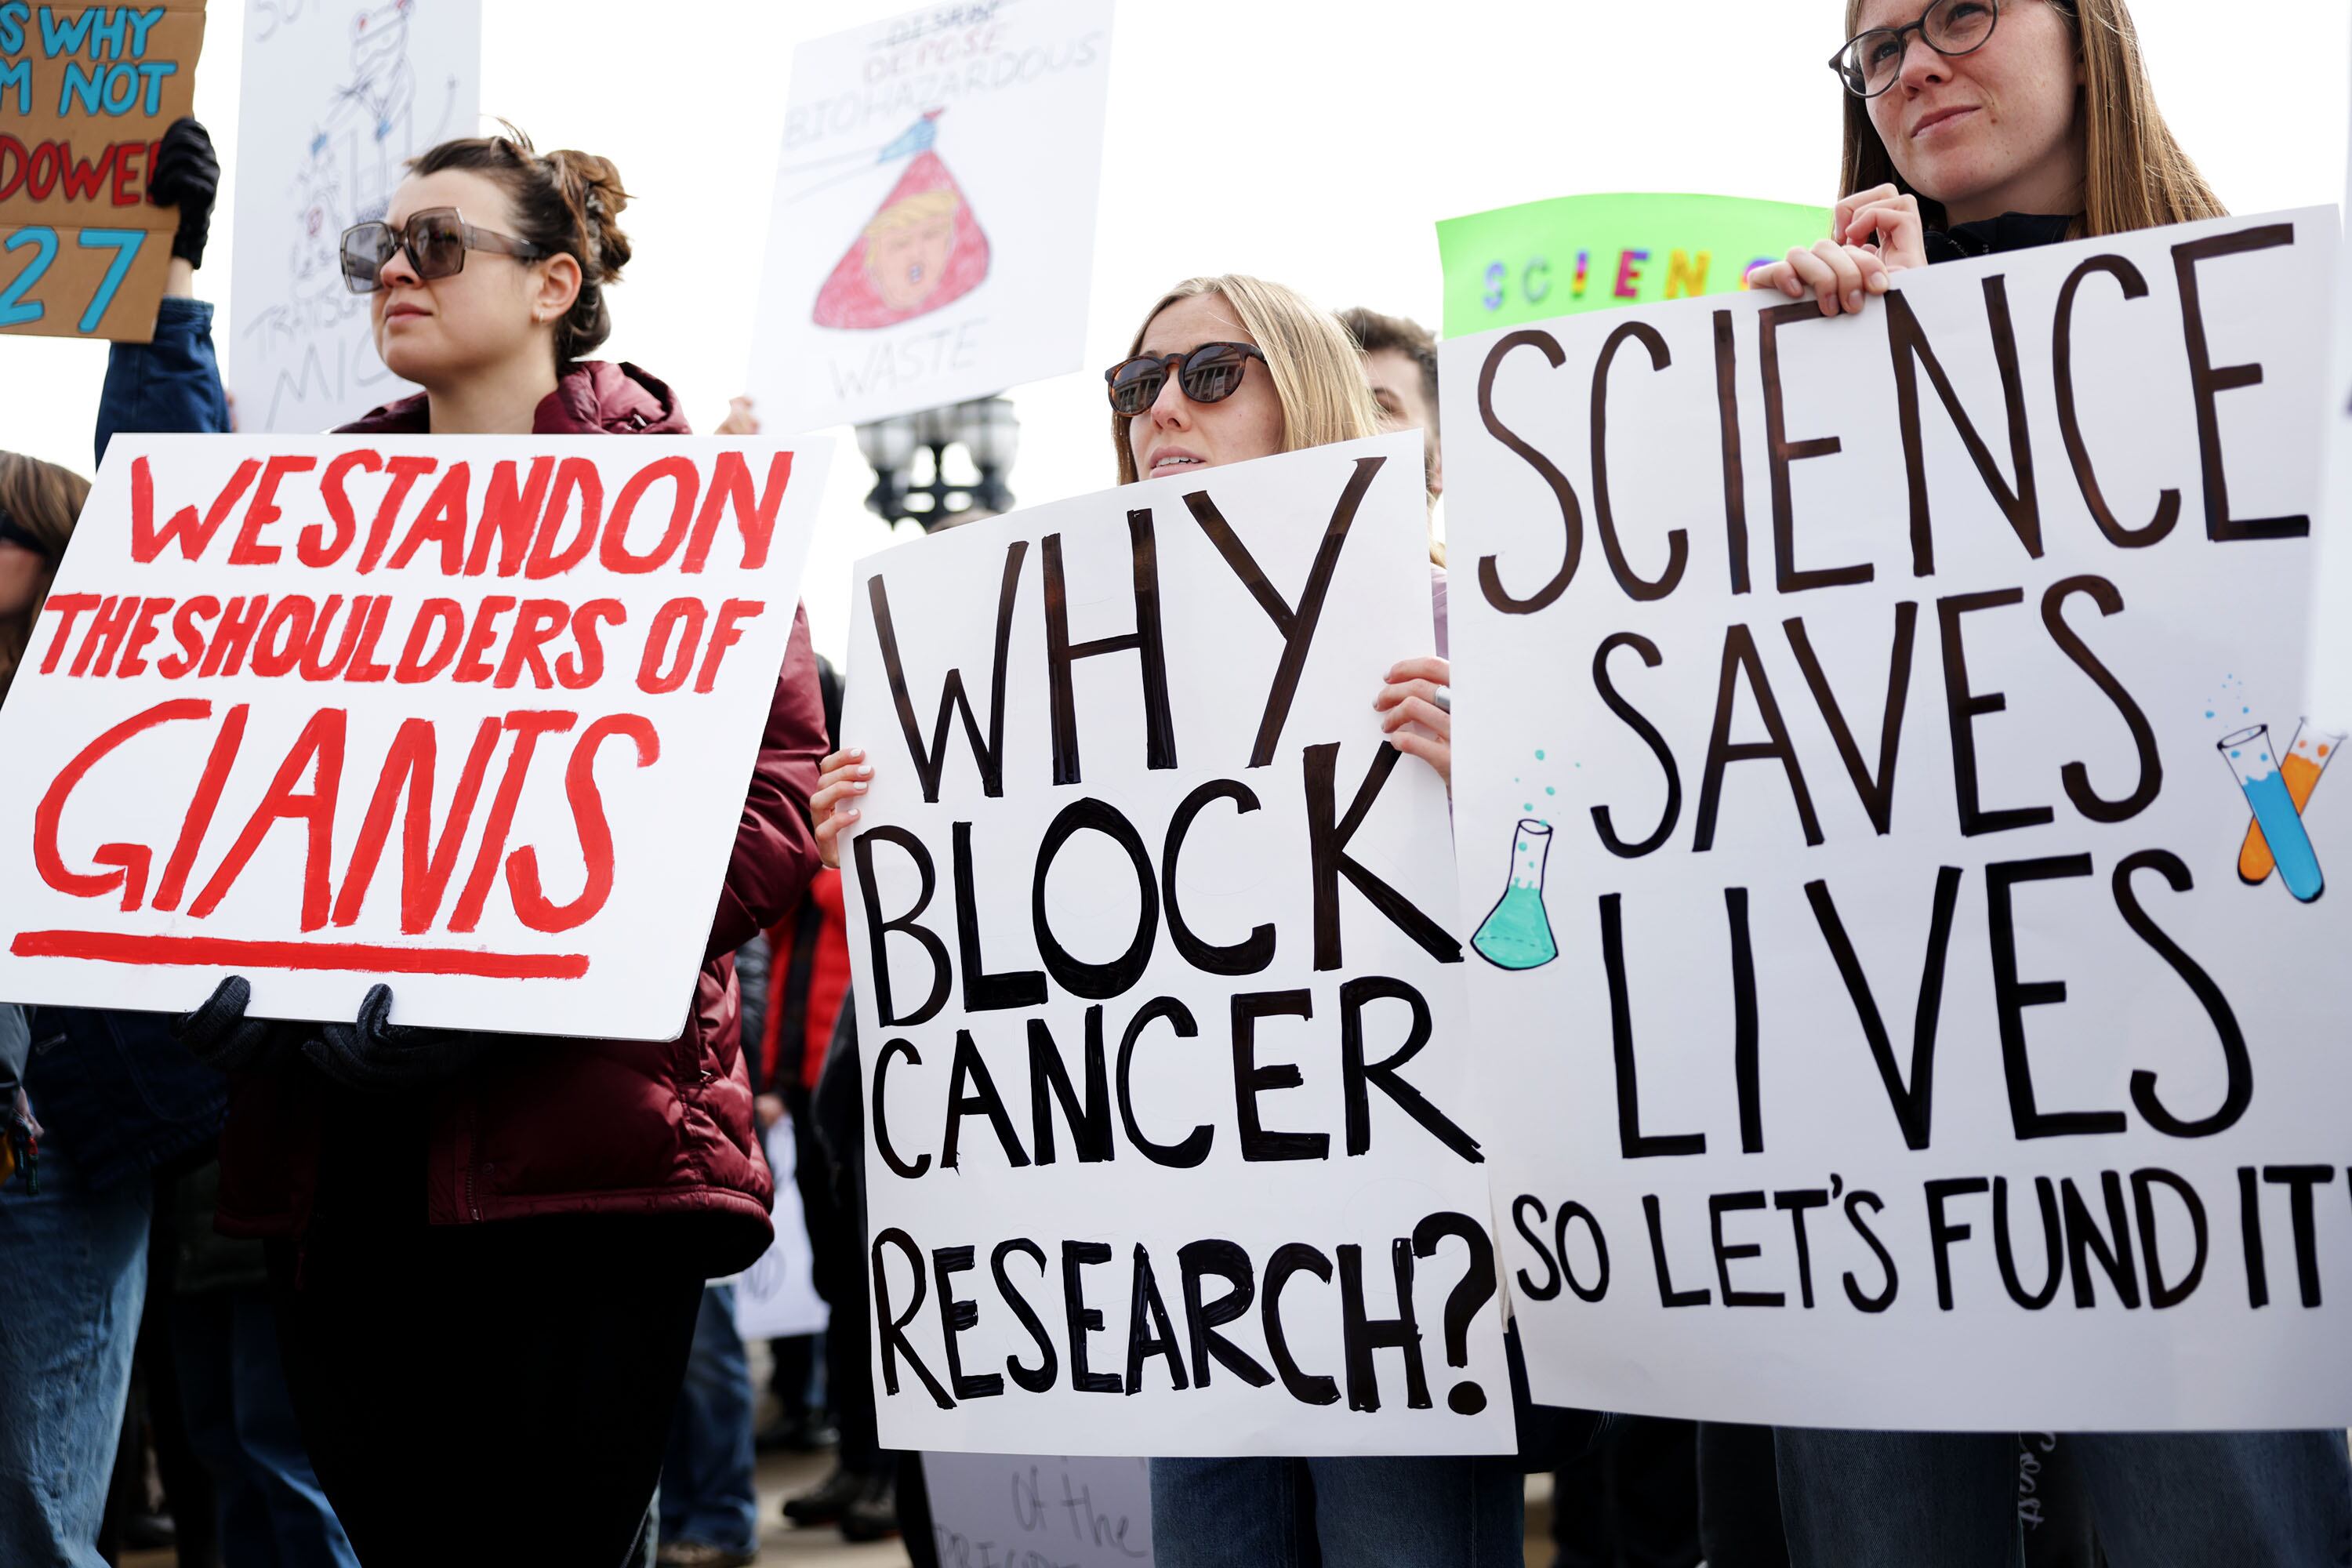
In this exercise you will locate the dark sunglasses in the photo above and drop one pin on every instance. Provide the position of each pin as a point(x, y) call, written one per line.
point(437, 240)
point(1209, 374)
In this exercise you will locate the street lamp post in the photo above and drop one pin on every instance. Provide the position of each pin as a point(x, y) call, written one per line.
point(989, 435)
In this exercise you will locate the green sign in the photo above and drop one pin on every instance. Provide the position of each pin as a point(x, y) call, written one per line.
point(1546, 259)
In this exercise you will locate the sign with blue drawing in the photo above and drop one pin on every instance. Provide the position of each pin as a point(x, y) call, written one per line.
point(1905, 1001)
point(339, 95)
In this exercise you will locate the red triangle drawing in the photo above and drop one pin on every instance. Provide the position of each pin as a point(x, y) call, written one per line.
point(921, 250)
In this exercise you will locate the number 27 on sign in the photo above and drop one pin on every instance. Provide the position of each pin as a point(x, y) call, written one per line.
point(17, 310)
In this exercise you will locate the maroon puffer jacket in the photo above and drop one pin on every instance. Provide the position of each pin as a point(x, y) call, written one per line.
point(567, 1126)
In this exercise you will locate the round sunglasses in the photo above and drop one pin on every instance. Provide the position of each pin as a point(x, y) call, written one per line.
point(1209, 374)
point(437, 240)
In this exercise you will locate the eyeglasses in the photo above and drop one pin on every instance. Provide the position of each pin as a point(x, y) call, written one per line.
point(437, 240)
point(1209, 374)
point(1871, 62)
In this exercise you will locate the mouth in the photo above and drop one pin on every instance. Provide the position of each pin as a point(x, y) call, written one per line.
point(403, 312)
point(1170, 462)
point(1942, 117)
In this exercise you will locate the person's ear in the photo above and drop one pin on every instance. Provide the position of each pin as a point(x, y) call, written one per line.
point(1435, 461)
point(559, 279)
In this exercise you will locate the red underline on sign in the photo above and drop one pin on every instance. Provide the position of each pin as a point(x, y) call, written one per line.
point(117, 947)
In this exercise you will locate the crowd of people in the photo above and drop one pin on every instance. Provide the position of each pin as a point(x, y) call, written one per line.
point(411, 1296)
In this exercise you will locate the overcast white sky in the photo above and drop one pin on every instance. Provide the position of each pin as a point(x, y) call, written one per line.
point(1310, 142)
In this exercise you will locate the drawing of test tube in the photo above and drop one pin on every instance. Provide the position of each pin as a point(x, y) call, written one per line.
point(2306, 758)
point(2249, 755)
point(1517, 932)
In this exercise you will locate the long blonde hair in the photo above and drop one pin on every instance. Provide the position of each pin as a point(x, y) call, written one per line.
point(2134, 174)
point(1319, 371)
point(45, 501)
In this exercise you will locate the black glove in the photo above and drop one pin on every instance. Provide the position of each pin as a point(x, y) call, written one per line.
point(382, 1058)
point(186, 174)
point(221, 1037)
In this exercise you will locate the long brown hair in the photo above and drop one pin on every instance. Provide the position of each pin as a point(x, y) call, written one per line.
point(2134, 174)
point(44, 501)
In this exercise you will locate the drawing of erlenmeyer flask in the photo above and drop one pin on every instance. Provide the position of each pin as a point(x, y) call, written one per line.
point(2248, 752)
point(2307, 756)
point(1516, 934)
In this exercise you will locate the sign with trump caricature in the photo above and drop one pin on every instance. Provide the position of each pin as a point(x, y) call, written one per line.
point(932, 234)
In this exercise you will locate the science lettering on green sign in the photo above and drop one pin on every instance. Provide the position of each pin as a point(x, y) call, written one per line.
point(1540, 260)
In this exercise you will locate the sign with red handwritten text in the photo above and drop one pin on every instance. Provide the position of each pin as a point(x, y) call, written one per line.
point(476, 715)
point(86, 93)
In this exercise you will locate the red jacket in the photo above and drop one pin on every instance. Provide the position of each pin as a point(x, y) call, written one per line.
point(808, 980)
point(566, 1126)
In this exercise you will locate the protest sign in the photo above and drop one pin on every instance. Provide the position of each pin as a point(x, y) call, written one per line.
point(1897, 849)
point(933, 227)
point(1539, 260)
point(340, 95)
point(776, 1297)
point(86, 93)
point(2331, 618)
point(1030, 1511)
point(1158, 1005)
point(474, 715)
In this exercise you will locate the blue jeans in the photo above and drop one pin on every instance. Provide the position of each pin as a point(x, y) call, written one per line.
point(1368, 1514)
point(707, 1494)
point(2162, 1500)
point(241, 1423)
point(73, 1275)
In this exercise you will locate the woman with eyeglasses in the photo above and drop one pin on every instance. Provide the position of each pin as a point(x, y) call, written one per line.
point(1224, 370)
point(488, 1251)
point(1976, 127)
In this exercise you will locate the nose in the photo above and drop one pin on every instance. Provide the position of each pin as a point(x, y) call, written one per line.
point(397, 270)
point(1922, 66)
point(1172, 410)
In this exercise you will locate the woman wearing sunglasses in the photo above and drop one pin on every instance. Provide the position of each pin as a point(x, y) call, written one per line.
point(1974, 127)
point(488, 1251)
point(1224, 370)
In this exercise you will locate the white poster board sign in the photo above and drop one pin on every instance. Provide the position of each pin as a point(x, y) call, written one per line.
point(776, 1298)
point(2331, 619)
point(1160, 1008)
point(1905, 995)
point(1031, 1511)
point(933, 227)
point(472, 714)
point(339, 95)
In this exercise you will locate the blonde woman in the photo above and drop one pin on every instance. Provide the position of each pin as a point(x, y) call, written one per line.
point(1974, 127)
point(1224, 370)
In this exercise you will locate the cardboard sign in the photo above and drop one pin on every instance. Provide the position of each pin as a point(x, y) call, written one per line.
point(1895, 846)
point(342, 94)
point(1540, 260)
point(86, 92)
point(474, 715)
point(1031, 1511)
point(1159, 1003)
point(932, 235)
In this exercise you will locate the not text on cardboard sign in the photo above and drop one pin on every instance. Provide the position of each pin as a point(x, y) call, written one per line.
point(1159, 1006)
point(473, 714)
point(1910, 996)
